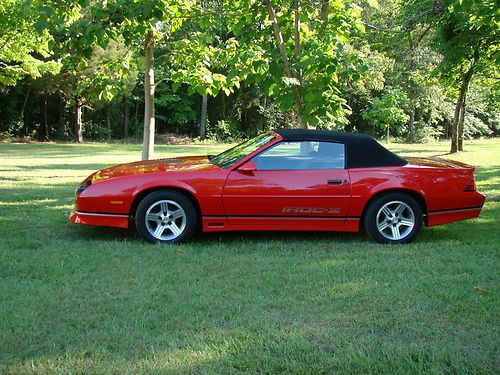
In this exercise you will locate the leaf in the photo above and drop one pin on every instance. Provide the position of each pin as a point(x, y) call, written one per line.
point(310, 97)
point(175, 86)
point(373, 3)
point(272, 89)
point(41, 25)
point(288, 81)
point(207, 78)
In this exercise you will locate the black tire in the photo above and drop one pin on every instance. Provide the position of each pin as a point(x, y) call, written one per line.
point(391, 214)
point(173, 217)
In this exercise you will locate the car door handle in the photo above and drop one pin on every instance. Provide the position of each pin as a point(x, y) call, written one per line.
point(335, 182)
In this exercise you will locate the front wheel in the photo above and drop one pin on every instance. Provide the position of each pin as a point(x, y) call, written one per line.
point(165, 217)
point(394, 218)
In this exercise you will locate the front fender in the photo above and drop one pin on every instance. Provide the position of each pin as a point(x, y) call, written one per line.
point(116, 195)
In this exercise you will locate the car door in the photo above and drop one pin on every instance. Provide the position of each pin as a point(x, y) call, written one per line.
point(300, 184)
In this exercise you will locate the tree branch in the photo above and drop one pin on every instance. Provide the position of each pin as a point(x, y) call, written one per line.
point(297, 27)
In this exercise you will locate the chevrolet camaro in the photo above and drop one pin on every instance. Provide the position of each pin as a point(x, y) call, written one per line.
point(294, 180)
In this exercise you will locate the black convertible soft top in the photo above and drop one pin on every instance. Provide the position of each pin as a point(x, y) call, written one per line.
point(362, 151)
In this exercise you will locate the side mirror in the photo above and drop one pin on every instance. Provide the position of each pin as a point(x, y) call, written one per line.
point(248, 168)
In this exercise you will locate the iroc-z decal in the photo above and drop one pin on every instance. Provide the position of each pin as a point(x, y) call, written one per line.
point(311, 210)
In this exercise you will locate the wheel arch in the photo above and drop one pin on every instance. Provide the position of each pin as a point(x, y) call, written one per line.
point(139, 197)
point(414, 194)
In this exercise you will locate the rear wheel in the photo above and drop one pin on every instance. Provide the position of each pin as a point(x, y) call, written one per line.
point(394, 218)
point(165, 217)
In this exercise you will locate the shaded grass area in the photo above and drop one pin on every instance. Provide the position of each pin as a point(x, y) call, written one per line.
point(77, 299)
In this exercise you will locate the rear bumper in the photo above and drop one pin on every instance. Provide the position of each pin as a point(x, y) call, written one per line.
point(449, 216)
point(99, 219)
point(473, 203)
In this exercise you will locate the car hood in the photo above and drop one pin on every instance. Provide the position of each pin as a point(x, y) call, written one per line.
point(182, 164)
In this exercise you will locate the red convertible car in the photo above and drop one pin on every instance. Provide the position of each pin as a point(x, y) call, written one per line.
point(301, 180)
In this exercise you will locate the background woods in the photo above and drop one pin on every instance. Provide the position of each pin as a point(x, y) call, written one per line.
point(413, 70)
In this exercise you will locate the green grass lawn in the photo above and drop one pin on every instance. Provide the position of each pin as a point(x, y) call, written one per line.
point(76, 299)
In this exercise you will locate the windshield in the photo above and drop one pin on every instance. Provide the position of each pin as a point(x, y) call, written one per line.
point(237, 153)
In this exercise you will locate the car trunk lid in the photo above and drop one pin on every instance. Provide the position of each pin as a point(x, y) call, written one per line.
point(434, 162)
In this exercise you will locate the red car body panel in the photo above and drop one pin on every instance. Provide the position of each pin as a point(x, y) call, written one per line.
point(232, 199)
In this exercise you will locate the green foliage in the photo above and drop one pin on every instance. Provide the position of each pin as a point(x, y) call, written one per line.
point(469, 28)
point(5, 136)
point(386, 112)
point(342, 71)
point(96, 132)
point(379, 67)
point(481, 119)
point(423, 132)
point(199, 65)
point(320, 68)
point(110, 71)
point(272, 116)
point(22, 51)
point(224, 131)
point(174, 109)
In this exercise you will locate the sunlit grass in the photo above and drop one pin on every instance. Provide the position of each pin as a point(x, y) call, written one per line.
point(77, 299)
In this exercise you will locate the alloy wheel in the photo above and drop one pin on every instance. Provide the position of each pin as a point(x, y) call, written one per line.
point(395, 220)
point(165, 220)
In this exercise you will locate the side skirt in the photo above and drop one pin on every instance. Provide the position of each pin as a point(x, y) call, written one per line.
point(222, 224)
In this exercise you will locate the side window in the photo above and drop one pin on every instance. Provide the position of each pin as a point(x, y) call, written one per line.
point(291, 149)
point(302, 156)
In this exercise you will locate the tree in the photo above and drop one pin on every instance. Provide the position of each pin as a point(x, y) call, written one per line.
point(301, 59)
point(469, 41)
point(22, 54)
point(109, 72)
point(138, 24)
point(386, 111)
point(246, 65)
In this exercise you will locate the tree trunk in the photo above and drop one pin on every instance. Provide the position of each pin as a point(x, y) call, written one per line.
point(460, 130)
point(78, 119)
point(286, 63)
point(45, 117)
point(203, 117)
point(413, 45)
point(149, 99)
point(62, 128)
point(411, 121)
point(260, 122)
point(388, 137)
point(325, 11)
point(125, 121)
point(457, 125)
point(23, 110)
point(458, 117)
point(297, 27)
point(136, 113)
point(411, 89)
point(108, 123)
point(454, 124)
point(223, 106)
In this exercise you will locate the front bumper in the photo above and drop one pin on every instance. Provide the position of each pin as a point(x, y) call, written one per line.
point(99, 219)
